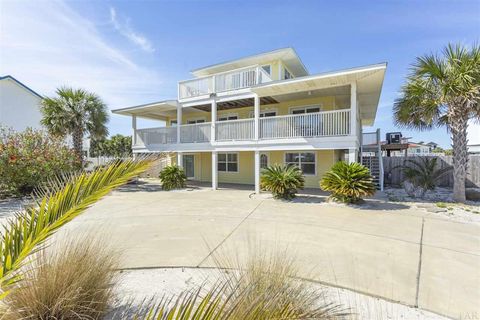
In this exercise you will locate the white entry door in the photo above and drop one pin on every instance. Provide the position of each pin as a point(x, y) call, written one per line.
point(189, 165)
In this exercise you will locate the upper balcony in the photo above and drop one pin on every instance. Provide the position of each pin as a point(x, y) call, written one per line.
point(223, 82)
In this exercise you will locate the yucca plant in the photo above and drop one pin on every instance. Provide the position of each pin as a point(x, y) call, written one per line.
point(348, 182)
point(421, 175)
point(282, 181)
point(28, 231)
point(173, 177)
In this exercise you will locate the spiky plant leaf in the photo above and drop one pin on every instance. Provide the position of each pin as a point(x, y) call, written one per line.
point(423, 172)
point(173, 177)
point(348, 183)
point(282, 181)
point(27, 232)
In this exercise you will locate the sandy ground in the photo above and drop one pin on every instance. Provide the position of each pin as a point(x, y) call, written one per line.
point(147, 283)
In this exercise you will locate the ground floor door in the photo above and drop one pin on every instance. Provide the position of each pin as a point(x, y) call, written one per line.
point(189, 165)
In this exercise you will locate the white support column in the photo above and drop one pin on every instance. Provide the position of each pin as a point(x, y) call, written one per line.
point(179, 120)
point(257, 172)
point(180, 159)
point(352, 155)
point(134, 128)
point(213, 120)
point(256, 113)
point(353, 108)
point(214, 170)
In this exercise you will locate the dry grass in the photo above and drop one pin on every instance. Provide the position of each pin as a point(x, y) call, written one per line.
point(71, 281)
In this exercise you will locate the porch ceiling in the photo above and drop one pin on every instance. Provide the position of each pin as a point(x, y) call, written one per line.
point(241, 103)
point(369, 86)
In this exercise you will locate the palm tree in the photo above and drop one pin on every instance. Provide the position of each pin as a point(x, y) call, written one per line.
point(444, 91)
point(75, 112)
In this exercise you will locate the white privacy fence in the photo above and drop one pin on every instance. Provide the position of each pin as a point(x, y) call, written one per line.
point(235, 130)
point(194, 133)
point(318, 124)
point(226, 81)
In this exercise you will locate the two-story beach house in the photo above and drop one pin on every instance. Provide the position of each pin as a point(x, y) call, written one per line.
point(237, 117)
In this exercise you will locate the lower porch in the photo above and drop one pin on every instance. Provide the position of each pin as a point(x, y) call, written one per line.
point(243, 168)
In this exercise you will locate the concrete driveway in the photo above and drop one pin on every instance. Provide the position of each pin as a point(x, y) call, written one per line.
point(386, 250)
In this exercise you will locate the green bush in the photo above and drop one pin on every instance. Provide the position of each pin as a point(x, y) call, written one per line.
point(283, 182)
point(348, 183)
point(173, 177)
point(30, 158)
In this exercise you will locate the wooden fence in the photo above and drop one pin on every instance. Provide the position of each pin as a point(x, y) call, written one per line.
point(394, 175)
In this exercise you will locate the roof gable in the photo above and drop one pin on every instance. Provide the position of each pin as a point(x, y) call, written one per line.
point(24, 86)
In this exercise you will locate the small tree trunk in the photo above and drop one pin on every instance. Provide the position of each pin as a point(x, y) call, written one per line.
point(77, 138)
point(458, 125)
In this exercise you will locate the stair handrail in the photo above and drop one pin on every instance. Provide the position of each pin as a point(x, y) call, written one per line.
point(380, 160)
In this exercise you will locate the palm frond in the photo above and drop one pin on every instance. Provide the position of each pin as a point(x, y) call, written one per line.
point(28, 231)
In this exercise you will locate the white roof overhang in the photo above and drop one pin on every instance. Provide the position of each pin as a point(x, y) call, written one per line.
point(158, 110)
point(369, 81)
point(287, 55)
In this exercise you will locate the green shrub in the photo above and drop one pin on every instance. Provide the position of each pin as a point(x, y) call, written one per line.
point(30, 158)
point(348, 183)
point(421, 175)
point(283, 182)
point(72, 281)
point(173, 177)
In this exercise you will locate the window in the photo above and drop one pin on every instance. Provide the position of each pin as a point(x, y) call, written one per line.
point(266, 114)
point(195, 121)
point(307, 109)
point(286, 74)
point(227, 162)
point(304, 160)
point(268, 69)
point(263, 161)
point(227, 117)
point(173, 123)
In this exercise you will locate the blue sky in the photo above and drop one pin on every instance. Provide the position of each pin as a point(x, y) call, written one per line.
point(134, 52)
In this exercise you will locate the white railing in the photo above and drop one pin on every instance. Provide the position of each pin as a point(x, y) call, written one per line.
point(194, 133)
point(370, 139)
point(243, 129)
point(225, 81)
point(162, 135)
point(318, 124)
point(195, 87)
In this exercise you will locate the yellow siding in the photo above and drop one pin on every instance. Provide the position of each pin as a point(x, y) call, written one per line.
point(203, 166)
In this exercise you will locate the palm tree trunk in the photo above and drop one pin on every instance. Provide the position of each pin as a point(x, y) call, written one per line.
point(77, 137)
point(458, 125)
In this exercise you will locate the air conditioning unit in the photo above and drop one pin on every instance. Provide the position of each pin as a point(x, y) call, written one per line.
point(394, 137)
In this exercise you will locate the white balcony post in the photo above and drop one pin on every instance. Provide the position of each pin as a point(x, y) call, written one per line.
point(214, 120)
point(353, 108)
point(256, 112)
point(259, 76)
point(214, 170)
point(134, 128)
point(179, 121)
point(257, 172)
point(352, 155)
point(180, 159)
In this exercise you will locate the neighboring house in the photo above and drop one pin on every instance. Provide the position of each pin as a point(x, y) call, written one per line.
point(473, 134)
point(19, 105)
point(235, 118)
point(414, 149)
point(20, 108)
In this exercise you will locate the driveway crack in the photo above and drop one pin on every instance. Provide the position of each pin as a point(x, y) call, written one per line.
point(229, 235)
point(419, 271)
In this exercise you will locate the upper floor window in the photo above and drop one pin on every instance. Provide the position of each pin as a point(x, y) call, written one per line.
point(227, 117)
point(306, 109)
point(193, 121)
point(286, 74)
point(268, 69)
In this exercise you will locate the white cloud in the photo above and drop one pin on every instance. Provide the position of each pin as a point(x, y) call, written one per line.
point(126, 30)
point(46, 44)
